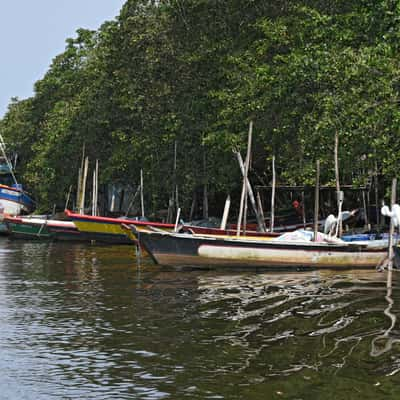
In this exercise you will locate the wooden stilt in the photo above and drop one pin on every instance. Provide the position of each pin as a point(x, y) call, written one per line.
point(272, 221)
point(226, 212)
point(244, 186)
point(141, 193)
point(303, 210)
point(260, 221)
point(391, 232)
point(178, 214)
point(68, 196)
point(261, 212)
point(316, 203)
point(339, 196)
point(83, 190)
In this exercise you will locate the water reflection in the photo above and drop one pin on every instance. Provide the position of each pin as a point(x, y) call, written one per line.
point(90, 322)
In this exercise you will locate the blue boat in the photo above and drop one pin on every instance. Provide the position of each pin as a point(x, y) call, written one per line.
point(13, 199)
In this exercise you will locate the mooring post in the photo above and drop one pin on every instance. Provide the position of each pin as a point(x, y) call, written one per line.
point(226, 213)
point(391, 231)
point(272, 221)
point(244, 186)
point(316, 202)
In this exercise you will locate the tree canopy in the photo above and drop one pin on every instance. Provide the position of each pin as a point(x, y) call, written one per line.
point(194, 73)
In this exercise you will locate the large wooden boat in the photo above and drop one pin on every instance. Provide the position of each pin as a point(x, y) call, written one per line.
point(183, 249)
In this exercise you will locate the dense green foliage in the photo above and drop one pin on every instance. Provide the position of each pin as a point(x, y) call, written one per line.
point(196, 72)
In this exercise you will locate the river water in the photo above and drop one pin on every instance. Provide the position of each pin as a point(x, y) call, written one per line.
point(90, 322)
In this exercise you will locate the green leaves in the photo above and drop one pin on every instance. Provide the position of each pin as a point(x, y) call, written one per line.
point(195, 73)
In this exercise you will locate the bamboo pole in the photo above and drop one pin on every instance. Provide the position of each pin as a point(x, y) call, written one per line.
point(83, 190)
point(339, 199)
point(378, 214)
point(94, 192)
point(141, 193)
point(366, 223)
point(97, 188)
point(246, 171)
point(80, 177)
point(272, 221)
point(260, 221)
point(261, 211)
point(391, 232)
point(316, 203)
point(178, 214)
point(303, 210)
point(68, 196)
point(226, 212)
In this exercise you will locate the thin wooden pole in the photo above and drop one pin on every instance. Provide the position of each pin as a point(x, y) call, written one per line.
point(141, 193)
point(97, 188)
point(84, 178)
point(316, 203)
point(378, 214)
point(226, 212)
point(303, 210)
point(246, 171)
point(175, 174)
point(391, 232)
point(80, 177)
point(272, 221)
point(178, 214)
point(261, 211)
point(68, 196)
point(94, 193)
point(338, 195)
point(260, 221)
point(366, 222)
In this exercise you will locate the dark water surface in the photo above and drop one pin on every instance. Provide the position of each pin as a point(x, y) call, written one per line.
point(85, 322)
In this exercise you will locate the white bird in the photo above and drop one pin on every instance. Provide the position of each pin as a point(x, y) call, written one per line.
point(394, 214)
point(331, 220)
point(330, 224)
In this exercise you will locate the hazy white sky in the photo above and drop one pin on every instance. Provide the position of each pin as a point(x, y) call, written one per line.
point(33, 32)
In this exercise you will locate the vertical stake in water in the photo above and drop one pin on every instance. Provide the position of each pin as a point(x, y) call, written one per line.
point(303, 209)
point(226, 212)
point(141, 193)
point(244, 186)
point(260, 220)
point(338, 195)
point(68, 196)
point(391, 232)
point(261, 212)
point(316, 203)
point(83, 187)
point(378, 216)
point(272, 222)
point(178, 214)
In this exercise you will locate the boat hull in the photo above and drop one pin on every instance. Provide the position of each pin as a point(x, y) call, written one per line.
point(14, 201)
point(192, 250)
point(24, 230)
point(109, 230)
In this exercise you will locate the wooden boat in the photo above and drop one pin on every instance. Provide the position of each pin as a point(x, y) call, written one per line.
point(114, 230)
point(31, 227)
point(13, 199)
point(183, 249)
point(110, 230)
